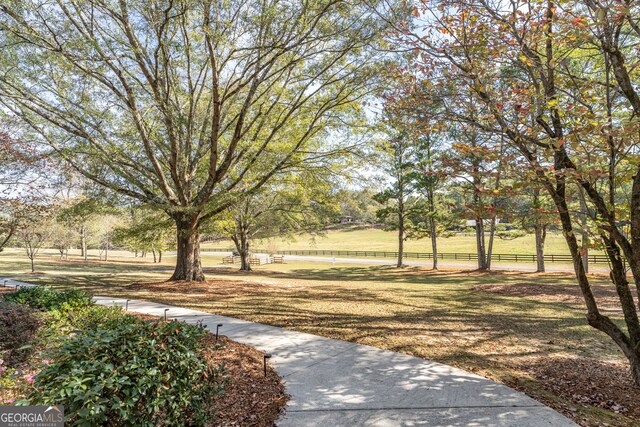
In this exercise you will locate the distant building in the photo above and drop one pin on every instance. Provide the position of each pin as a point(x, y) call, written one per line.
point(472, 222)
point(346, 219)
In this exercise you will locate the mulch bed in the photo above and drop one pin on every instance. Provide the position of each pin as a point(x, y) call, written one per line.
point(586, 381)
point(250, 398)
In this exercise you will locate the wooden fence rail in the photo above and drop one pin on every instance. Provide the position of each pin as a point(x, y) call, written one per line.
point(458, 256)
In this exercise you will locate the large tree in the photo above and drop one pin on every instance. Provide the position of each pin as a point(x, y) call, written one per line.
point(186, 105)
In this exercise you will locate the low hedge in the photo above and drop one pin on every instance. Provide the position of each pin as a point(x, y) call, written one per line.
point(49, 299)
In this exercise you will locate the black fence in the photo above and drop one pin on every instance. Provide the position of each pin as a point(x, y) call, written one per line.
point(595, 259)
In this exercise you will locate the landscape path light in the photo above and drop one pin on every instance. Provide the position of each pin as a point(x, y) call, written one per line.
point(264, 359)
point(218, 326)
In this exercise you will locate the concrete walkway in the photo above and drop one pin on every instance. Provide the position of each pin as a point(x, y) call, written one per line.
point(337, 383)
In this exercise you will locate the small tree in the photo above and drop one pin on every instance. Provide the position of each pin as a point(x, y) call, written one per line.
point(399, 199)
point(62, 238)
point(534, 213)
point(78, 216)
point(34, 235)
point(297, 202)
point(147, 230)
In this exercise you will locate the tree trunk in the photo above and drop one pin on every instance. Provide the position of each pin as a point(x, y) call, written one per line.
point(584, 251)
point(159, 257)
point(434, 244)
point(241, 240)
point(33, 267)
point(541, 235)
point(83, 241)
point(480, 248)
point(433, 229)
point(245, 262)
point(400, 240)
point(492, 233)
point(188, 264)
point(154, 256)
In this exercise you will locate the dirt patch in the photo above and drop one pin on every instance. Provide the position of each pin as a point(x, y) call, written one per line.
point(250, 398)
point(585, 381)
point(567, 293)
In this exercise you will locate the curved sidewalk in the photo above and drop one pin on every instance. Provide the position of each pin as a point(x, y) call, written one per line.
point(337, 383)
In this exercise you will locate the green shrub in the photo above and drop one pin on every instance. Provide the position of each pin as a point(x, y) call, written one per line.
point(49, 299)
point(65, 320)
point(150, 372)
point(90, 317)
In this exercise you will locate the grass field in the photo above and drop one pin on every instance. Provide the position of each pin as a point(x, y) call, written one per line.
point(371, 239)
point(535, 344)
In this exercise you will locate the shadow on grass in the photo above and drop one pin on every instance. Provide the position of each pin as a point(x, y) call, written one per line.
point(387, 274)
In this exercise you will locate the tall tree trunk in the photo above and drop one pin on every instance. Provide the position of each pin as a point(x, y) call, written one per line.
point(154, 256)
point(584, 251)
point(480, 241)
point(433, 228)
point(492, 233)
point(541, 235)
point(243, 250)
point(33, 267)
point(434, 244)
point(400, 240)
point(188, 264)
point(494, 212)
point(480, 246)
point(159, 257)
point(106, 246)
point(83, 241)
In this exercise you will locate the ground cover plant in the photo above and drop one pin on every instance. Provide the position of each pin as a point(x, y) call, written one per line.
point(108, 367)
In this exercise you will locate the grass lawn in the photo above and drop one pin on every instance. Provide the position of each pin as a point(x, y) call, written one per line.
point(537, 344)
point(371, 239)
